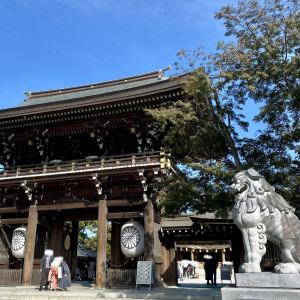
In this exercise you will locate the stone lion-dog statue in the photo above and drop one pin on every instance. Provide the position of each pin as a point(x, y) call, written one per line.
point(261, 214)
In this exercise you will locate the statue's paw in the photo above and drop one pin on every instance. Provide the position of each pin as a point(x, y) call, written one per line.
point(249, 268)
point(287, 268)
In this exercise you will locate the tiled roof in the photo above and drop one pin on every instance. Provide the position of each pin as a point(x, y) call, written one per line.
point(85, 252)
point(188, 220)
point(119, 85)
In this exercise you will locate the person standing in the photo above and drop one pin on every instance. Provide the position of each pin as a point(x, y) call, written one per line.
point(185, 268)
point(45, 265)
point(66, 276)
point(207, 268)
point(180, 271)
point(91, 271)
point(213, 268)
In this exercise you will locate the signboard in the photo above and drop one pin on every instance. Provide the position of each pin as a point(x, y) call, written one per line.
point(144, 273)
point(226, 273)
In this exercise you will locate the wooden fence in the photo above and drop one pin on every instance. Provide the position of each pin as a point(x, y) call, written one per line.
point(10, 277)
point(115, 277)
point(120, 277)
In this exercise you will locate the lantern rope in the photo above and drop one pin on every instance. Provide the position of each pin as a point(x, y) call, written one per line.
point(118, 265)
point(9, 263)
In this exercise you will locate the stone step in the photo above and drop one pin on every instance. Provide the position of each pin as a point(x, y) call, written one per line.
point(82, 293)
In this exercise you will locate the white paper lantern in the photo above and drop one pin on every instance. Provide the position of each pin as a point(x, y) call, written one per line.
point(18, 243)
point(132, 239)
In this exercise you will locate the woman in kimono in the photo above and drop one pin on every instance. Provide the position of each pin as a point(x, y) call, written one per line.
point(66, 276)
point(53, 274)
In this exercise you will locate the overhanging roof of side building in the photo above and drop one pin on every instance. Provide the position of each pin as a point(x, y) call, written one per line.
point(102, 94)
point(187, 221)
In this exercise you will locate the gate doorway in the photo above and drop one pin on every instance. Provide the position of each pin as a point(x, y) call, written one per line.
point(196, 238)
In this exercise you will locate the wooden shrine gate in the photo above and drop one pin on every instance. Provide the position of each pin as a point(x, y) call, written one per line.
point(55, 223)
point(89, 152)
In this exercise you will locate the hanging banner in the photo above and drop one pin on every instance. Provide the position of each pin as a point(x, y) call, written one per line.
point(18, 243)
point(132, 239)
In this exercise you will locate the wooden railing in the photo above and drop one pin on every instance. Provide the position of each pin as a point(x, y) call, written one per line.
point(161, 159)
point(10, 277)
point(120, 277)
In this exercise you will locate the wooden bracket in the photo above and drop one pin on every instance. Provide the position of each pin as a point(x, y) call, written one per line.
point(30, 189)
point(99, 182)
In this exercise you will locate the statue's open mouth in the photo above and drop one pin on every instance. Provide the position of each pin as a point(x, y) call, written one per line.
point(242, 189)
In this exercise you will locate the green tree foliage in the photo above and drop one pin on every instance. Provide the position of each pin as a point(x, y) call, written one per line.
point(192, 129)
point(87, 235)
point(202, 128)
point(267, 68)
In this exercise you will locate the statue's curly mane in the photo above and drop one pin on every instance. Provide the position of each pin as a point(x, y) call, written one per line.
point(261, 193)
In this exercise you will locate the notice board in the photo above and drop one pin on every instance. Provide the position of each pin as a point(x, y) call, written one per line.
point(144, 274)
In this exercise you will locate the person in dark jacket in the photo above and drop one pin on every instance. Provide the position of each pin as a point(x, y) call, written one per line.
point(213, 270)
point(66, 276)
point(45, 267)
point(207, 268)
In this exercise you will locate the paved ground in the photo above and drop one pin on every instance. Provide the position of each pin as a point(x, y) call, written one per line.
point(188, 289)
point(83, 293)
point(201, 282)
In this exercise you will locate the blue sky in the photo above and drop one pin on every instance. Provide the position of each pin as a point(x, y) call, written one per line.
point(50, 44)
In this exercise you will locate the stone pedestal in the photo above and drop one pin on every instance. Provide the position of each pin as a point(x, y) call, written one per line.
point(252, 286)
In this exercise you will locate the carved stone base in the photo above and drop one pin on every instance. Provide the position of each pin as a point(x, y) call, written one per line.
point(263, 286)
point(268, 280)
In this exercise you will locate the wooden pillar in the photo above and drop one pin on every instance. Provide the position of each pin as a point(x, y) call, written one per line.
point(56, 238)
point(192, 255)
point(101, 245)
point(169, 265)
point(149, 231)
point(179, 254)
point(30, 245)
point(173, 265)
point(223, 255)
point(149, 237)
point(74, 240)
point(116, 253)
point(166, 261)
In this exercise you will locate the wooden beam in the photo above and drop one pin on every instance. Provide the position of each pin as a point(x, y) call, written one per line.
point(8, 210)
point(14, 221)
point(109, 216)
point(123, 215)
point(63, 206)
point(121, 202)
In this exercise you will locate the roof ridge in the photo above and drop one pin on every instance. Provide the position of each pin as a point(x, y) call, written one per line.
point(157, 73)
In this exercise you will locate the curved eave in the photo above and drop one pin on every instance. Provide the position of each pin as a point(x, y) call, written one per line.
point(166, 86)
